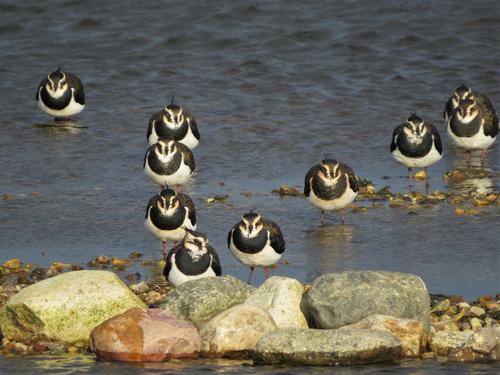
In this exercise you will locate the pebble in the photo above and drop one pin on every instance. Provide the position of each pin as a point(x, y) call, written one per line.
point(475, 324)
point(442, 306)
point(476, 311)
point(428, 355)
point(140, 288)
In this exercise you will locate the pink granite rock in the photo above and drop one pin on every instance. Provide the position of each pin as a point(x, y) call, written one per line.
point(144, 335)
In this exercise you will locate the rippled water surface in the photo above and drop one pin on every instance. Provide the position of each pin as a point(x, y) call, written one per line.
point(273, 86)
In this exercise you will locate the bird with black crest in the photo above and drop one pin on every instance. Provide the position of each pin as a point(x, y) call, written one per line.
point(256, 242)
point(473, 124)
point(168, 162)
point(192, 259)
point(175, 123)
point(169, 215)
point(61, 95)
point(416, 144)
point(331, 185)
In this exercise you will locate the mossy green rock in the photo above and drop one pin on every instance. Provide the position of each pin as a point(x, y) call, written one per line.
point(66, 307)
point(200, 300)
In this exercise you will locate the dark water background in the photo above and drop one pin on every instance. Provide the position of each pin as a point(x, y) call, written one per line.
point(273, 86)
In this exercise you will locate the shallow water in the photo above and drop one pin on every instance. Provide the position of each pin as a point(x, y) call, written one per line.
point(273, 86)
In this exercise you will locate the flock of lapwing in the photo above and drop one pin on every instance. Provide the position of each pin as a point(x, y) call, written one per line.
point(471, 122)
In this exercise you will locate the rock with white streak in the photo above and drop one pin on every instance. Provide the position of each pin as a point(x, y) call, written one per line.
point(281, 297)
point(235, 332)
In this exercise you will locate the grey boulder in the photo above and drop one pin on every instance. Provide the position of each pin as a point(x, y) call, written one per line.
point(326, 347)
point(200, 300)
point(339, 299)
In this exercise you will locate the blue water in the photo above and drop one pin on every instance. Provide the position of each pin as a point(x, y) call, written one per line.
point(273, 86)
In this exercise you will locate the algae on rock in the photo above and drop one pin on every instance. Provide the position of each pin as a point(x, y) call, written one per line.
point(66, 307)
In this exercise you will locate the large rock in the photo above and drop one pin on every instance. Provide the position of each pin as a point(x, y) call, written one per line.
point(444, 341)
point(410, 332)
point(235, 332)
point(338, 299)
point(326, 347)
point(281, 297)
point(66, 307)
point(200, 300)
point(141, 335)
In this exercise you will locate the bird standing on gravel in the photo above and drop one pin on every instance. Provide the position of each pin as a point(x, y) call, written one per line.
point(473, 124)
point(330, 185)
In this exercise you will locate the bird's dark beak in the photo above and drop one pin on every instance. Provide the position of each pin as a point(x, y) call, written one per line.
point(250, 229)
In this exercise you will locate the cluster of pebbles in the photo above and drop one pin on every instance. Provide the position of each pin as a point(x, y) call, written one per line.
point(464, 203)
point(453, 313)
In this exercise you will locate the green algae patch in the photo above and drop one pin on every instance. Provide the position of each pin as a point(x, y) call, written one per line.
point(65, 308)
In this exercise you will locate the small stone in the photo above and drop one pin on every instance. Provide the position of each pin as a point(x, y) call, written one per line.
point(7, 197)
point(40, 347)
point(72, 349)
point(61, 266)
point(454, 300)
point(463, 305)
point(420, 175)
point(471, 211)
point(476, 311)
point(460, 315)
point(445, 318)
point(428, 355)
point(135, 255)
point(287, 190)
point(465, 326)
point(153, 297)
point(117, 262)
point(489, 303)
point(451, 326)
point(103, 259)
point(464, 354)
point(442, 306)
point(13, 264)
point(140, 288)
point(459, 211)
point(475, 324)
point(444, 341)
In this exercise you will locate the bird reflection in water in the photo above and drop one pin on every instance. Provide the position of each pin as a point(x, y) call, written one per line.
point(331, 248)
point(61, 128)
point(472, 176)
